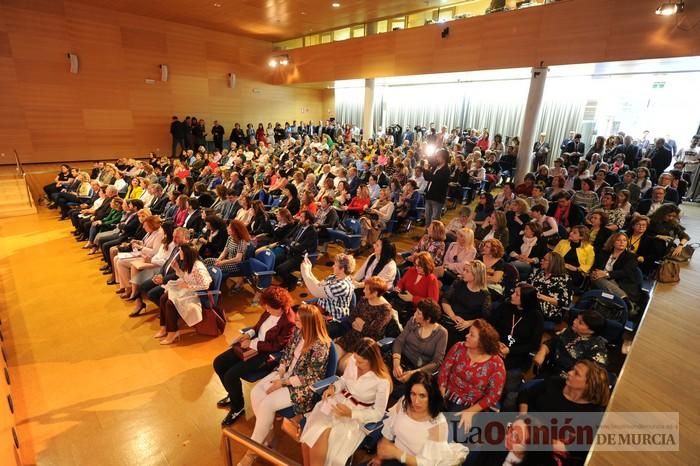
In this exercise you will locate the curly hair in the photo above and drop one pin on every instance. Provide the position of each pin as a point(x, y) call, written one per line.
point(276, 297)
point(488, 336)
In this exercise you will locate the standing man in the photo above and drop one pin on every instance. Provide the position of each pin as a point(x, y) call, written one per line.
point(438, 176)
point(660, 157)
point(177, 131)
point(217, 132)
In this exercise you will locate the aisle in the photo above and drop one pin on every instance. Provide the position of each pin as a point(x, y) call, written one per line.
point(91, 386)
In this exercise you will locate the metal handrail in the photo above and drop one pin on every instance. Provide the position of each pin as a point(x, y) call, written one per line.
point(259, 449)
point(22, 174)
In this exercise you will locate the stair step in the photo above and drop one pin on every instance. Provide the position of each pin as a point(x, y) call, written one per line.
point(17, 212)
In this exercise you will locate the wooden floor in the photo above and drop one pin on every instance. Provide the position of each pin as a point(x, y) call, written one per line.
point(92, 387)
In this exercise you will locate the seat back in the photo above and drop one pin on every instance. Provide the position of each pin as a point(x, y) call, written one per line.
point(264, 261)
point(215, 285)
point(614, 328)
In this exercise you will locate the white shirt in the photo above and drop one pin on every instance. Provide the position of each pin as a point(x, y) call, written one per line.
point(388, 272)
point(120, 184)
point(270, 322)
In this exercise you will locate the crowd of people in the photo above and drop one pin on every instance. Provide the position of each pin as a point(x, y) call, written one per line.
point(466, 307)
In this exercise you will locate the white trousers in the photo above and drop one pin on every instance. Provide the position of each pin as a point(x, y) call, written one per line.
point(265, 405)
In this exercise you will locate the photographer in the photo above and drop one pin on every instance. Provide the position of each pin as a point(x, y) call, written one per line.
point(438, 175)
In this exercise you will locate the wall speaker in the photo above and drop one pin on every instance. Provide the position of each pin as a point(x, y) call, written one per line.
point(445, 33)
point(163, 73)
point(232, 80)
point(74, 64)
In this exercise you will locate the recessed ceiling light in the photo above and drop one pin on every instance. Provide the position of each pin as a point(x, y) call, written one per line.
point(335, 5)
point(303, 12)
point(217, 5)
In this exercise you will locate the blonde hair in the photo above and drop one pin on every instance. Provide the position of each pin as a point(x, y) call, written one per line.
point(468, 235)
point(597, 385)
point(313, 326)
point(478, 269)
point(439, 233)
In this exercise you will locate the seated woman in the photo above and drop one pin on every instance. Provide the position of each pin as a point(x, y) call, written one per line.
point(181, 212)
point(142, 251)
point(369, 319)
point(458, 253)
point(531, 251)
point(421, 345)
point(285, 224)
point(608, 204)
point(180, 299)
point(376, 218)
point(641, 243)
point(342, 195)
point(586, 197)
point(108, 223)
point(213, 242)
point(416, 432)
point(260, 224)
point(234, 253)
point(552, 284)
point(473, 374)
point(304, 362)
point(494, 227)
point(615, 270)
point(549, 226)
point(418, 283)
point(269, 335)
point(666, 229)
point(467, 299)
point(307, 204)
point(483, 210)
point(381, 263)
point(464, 220)
point(359, 203)
point(586, 389)
point(333, 430)
point(578, 254)
point(520, 326)
point(334, 294)
point(290, 199)
point(245, 211)
point(517, 216)
point(150, 267)
point(432, 242)
point(598, 233)
point(326, 219)
point(579, 341)
point(492, 252)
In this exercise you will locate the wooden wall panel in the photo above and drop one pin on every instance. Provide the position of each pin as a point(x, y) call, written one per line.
point(565, 32)
point(109, 109)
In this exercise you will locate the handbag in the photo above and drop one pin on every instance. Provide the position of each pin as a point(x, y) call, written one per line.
point(213, 322)
point(669, 272)
point(686, 253)
point(243, 354)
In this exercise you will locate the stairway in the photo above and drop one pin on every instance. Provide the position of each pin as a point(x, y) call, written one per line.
point(14, 198)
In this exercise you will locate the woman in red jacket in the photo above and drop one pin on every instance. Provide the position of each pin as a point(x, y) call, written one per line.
point(359, 203)
point(270, 335)
point(418, 283)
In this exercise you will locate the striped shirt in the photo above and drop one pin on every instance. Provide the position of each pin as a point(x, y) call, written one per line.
point(338, 295)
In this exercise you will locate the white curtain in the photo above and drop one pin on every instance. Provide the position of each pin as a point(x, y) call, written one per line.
point(349, 104)
point(498, 106)
point(411, 105)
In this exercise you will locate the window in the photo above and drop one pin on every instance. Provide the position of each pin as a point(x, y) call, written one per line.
point(398, 23)
point(311, 40)
point(419, 19)
point(341, 34)
point(358, 31)
point(291, 44)
point(326, 37)
point(382, 26)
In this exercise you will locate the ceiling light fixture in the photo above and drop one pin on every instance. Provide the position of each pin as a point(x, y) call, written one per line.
point(217, 5)
point(335, 5)
point(280, 60)
point(670, 8)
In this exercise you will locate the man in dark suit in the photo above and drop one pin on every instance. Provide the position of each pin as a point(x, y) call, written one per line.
point(237, 135)
point(670, 193)
point(628, 183)
point(631, 152)
point(290, 252)
point(157, 205)
point(647, 206)
point(576, 148)
point(218, 132)
point(353, 181)
point(177, 131)
point(193, 221)
point(660, 157)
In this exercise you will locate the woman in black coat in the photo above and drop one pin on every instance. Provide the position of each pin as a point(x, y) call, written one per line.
point(615, 269)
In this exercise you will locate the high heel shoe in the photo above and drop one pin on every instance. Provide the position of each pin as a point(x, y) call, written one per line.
point(138, 310)
point(161, 333)
point(248, 459)
point(170, 340)
point(88, 245)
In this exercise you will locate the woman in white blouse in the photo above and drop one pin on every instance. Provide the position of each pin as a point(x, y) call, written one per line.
point(377, 217)
point(143, 271)
point(245, 212)
point(180, 299)
point(416, 431)
point(458, 253)
point(380, 264)
point(333, 430)
point(142, 250)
